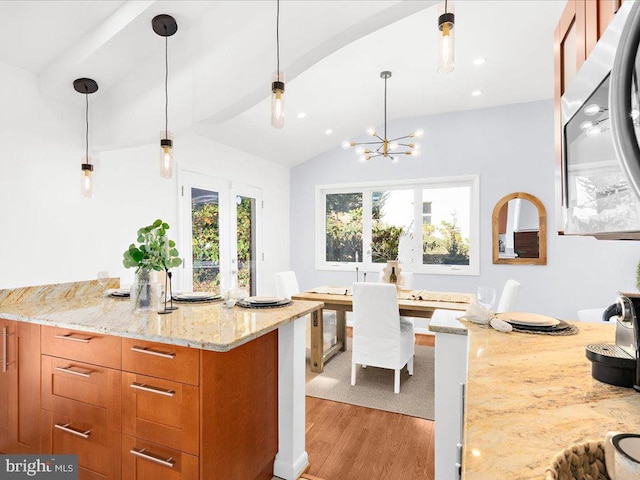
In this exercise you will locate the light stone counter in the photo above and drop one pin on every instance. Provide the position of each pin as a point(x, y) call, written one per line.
point(206, 326)
point(530, 396)
point(447, 322)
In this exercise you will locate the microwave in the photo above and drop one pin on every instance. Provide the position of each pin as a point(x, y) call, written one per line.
point(598, 197)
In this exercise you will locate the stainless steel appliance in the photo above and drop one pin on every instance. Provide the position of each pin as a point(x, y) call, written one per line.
point(598, 196)
point(618, 364)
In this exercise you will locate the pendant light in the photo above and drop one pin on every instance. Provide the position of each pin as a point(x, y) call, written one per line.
point(446, 39)
point(277, 84)
point(165, 26)
point(86, 86)
point(382, 146)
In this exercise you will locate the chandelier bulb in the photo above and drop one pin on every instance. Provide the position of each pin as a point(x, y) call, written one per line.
point(362, 159)
point(86, 179)
point(346, 144)
point(371, 131)
point(394, 159)
point(277, 100)
point(166, 154)
point(393, 145)
point(446, 38)
point(418, 133)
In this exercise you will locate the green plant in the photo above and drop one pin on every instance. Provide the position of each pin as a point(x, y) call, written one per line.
point(154, 252)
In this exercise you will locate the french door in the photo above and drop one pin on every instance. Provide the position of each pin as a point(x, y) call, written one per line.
point(220, 233)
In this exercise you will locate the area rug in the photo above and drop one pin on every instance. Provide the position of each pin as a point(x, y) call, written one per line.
point(374, 386)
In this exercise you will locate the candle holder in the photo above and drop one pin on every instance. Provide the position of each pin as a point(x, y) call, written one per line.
point(168, 308)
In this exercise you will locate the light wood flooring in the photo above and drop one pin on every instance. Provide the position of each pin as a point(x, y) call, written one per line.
point(348, 442)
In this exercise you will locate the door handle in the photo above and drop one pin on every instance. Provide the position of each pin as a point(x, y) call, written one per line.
point(73, 337)
point(151, 351)
point(149, 388)
point(85, 374)
point(69, 429)
point(142, 453)
point(5, 349)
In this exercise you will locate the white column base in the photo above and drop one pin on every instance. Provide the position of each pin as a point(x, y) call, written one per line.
point(292, 458)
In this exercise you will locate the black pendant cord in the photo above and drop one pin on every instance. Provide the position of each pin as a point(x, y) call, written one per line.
point(385, 109)
point(445, 6)
point(278, 39)
point(166, 86)
point(86, 137)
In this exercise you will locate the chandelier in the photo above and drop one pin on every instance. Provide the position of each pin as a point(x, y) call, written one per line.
point(383, 147)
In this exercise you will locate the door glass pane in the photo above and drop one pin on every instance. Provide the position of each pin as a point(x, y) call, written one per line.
point(391, 216)
point(205, 240)
point(246, 243)
point(343, 227)
point(445, 237)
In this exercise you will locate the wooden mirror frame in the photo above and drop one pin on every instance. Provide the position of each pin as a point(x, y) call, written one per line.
point(542, 231)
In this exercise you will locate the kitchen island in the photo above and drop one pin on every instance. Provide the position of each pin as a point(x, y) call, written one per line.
point(527, 397)
point(203, 392)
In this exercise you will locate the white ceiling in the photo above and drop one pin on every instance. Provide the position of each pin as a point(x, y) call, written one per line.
point(223, 54)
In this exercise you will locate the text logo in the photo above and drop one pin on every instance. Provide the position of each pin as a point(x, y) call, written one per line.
point(49, 467)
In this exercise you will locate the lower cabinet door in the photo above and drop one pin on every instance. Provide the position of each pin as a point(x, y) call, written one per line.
point(142, 460)
point(97, 445)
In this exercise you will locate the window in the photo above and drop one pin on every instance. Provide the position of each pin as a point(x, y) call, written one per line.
point(430, 225)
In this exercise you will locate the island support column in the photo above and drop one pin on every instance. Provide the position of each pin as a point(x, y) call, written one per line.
point(292, 459)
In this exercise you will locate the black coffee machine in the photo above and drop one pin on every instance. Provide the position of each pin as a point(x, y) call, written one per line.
point(619, 363)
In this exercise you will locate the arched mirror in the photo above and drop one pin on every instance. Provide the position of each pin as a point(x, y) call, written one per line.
point(519, 225)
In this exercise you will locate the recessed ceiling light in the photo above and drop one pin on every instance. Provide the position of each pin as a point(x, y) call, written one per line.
point(480, 61)
point(476, 93)
point(328, 131)
point(301, 115)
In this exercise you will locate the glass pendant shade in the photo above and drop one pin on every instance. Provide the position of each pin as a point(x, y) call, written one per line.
point(277, 100)
point(166, 154)
point(86, 179)
point(446, 38)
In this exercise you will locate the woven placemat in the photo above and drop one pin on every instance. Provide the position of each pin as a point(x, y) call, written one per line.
point(572, 330)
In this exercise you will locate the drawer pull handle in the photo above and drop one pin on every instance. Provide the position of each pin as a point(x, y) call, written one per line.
point(85, 373)
point(142, 453)
point(69, 429)
point(149, 388)
point(73, 337)
point(151, 351)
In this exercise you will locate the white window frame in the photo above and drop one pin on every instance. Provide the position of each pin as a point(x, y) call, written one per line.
point(471, 181)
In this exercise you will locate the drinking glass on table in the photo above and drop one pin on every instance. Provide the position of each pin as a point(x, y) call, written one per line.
point(103, 279)
point(486, 296)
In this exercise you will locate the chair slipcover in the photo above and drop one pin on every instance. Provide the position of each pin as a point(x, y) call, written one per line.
point(509, 297)
point(379, 339)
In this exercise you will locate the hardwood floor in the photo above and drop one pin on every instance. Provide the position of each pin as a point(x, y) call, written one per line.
point(348, 442)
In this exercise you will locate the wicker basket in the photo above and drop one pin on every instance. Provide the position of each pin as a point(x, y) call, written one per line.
point(582, 461)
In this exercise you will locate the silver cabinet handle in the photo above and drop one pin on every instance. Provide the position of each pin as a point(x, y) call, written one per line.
point(5, 349)
point(73, 337)
point(142, 453)
point(149, 388)
point(69, 429)
point(157, 353)
point(85, 373)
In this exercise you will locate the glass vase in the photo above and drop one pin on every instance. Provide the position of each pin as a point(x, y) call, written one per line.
point(146, 291)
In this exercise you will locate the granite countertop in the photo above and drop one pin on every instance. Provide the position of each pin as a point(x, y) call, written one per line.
point(206, 326)
point(530, 396)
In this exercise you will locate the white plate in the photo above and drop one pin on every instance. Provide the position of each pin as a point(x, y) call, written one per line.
point(528, 319)
point(265, 299)
point(195, 295)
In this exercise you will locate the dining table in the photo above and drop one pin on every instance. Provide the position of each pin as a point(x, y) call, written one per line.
point(411, 303)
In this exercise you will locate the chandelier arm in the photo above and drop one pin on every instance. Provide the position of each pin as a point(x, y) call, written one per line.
point(379, 137)
point(367, 143)
point(399, 138)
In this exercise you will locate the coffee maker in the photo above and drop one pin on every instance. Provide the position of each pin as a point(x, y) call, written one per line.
point(619, 364)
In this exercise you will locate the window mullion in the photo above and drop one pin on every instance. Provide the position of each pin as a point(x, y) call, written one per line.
point(366, 227)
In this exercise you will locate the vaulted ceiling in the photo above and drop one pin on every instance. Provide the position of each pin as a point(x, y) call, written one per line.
point(222, 57)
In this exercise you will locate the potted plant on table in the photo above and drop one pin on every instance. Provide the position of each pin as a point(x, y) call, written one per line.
point(155, 253)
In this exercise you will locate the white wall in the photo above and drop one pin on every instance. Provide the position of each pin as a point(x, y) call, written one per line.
point(49, 234)
point(512, 149)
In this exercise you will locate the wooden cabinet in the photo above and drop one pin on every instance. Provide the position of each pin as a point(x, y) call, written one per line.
point(81, 412)
point(19, 387)
point(580, 27)
point(144, 460)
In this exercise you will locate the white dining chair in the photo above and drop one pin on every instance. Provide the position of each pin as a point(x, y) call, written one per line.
point(287, 286)
point(379, 339)
point(509, 296)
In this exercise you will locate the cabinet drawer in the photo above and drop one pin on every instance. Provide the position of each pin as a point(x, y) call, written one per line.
point(97, 446)
point(86, 347)
point(67, 380)
point(161, 410)
point(143, 460)
point(161, 360)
